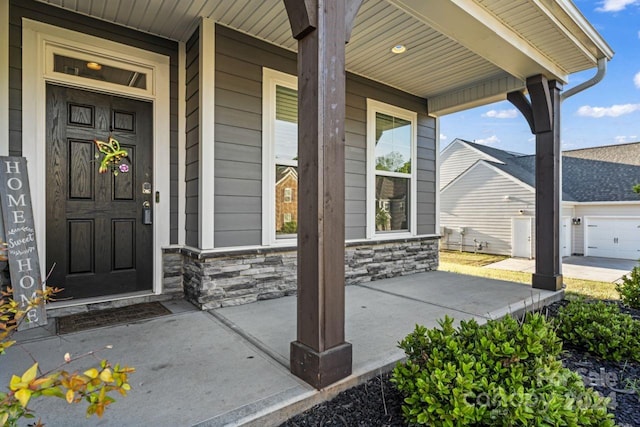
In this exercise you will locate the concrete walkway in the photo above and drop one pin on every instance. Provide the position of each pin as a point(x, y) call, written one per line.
point(576, 267)
point(230, 366)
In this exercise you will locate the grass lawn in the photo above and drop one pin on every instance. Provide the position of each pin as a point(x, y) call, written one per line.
point(473, 265)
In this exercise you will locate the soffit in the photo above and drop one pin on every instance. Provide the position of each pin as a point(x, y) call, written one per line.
point(437, 65)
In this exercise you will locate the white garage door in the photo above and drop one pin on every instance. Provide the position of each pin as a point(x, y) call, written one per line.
point(613, 237)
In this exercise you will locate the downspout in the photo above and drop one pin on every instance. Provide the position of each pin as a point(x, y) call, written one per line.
point(602, 70)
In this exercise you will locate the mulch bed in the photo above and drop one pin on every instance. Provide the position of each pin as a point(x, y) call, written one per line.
point(378, 403)
point(111, 316)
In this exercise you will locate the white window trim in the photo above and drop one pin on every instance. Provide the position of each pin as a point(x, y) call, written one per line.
point(271, 78)
point(38, 40)
point(374, 107)
point(206, 137)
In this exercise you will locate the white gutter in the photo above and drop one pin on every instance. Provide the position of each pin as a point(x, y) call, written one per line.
point(602, 70)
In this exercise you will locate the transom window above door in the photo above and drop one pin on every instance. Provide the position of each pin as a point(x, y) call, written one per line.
point(97, 71)
point(109, 72)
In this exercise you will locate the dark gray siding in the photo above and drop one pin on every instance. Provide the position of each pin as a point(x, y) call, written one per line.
point(358, 90)
point(192, 139)
point(238, 133)
point(426, 175)
point(238, 150)
point(65, 19)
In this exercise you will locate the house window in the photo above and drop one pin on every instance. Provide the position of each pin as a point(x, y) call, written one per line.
point(97, 71)
point(280, 157)
point(391, 140)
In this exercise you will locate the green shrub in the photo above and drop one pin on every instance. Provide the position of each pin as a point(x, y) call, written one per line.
point(290, 227)
point(629, 289)
point(505, 373)
point(600, 328)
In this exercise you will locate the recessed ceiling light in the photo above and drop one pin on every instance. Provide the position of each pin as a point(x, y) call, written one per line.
point(399, 48)
point(94, 66)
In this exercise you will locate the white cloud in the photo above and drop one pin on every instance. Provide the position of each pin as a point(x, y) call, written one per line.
point(443, 137)
point(615, 5)
point(636, 80)
point(501, 114)
point(493, 139)
point(624, 139)
point(613, 111)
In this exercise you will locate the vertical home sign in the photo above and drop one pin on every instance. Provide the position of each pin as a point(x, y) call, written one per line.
point(20, 235)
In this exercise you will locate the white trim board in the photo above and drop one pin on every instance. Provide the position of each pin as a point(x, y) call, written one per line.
point(612, 203)
point(37, 40)
point(182, 142)
point(437, 162)
point(206, 140)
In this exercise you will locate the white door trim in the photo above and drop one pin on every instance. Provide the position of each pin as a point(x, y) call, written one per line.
point(513, 235)
point(38, 39)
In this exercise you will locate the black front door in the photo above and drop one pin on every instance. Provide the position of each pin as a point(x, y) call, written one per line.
point(95, 231)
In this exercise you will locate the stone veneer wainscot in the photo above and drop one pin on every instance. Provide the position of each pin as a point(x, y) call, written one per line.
point(220, 279)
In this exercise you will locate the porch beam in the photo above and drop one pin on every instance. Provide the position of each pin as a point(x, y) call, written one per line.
point(543, 115)
point(479, 93)
point(320, 355)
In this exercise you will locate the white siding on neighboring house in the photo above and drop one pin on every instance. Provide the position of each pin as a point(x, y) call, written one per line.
point(600, 210)
point(455, 159)
point(485, 211)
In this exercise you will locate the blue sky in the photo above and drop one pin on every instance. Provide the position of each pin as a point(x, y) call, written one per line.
point(605, 114)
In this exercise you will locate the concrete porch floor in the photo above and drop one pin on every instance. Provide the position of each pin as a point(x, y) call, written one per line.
point(230, 366)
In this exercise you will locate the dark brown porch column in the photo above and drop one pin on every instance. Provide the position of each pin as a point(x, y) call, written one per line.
point(320, 355)
point(543, 116)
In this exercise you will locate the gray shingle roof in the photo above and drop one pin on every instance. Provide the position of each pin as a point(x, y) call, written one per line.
point(597, 174)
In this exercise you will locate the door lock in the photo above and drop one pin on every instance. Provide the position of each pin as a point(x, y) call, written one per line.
point(146, 213)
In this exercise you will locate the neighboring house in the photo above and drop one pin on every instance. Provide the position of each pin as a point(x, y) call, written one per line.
point(204, 96)
point(286, 200)
point(488, 201)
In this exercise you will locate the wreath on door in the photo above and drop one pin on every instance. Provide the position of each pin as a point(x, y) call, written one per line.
point(112, 157)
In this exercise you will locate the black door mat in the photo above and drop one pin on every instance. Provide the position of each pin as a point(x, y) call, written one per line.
point(110, 316)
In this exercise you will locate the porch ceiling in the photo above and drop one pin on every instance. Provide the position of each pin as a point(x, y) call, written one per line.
point(460, 53)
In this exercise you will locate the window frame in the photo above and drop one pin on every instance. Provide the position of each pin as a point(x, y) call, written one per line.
point(270, 79)
point(374, 107)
